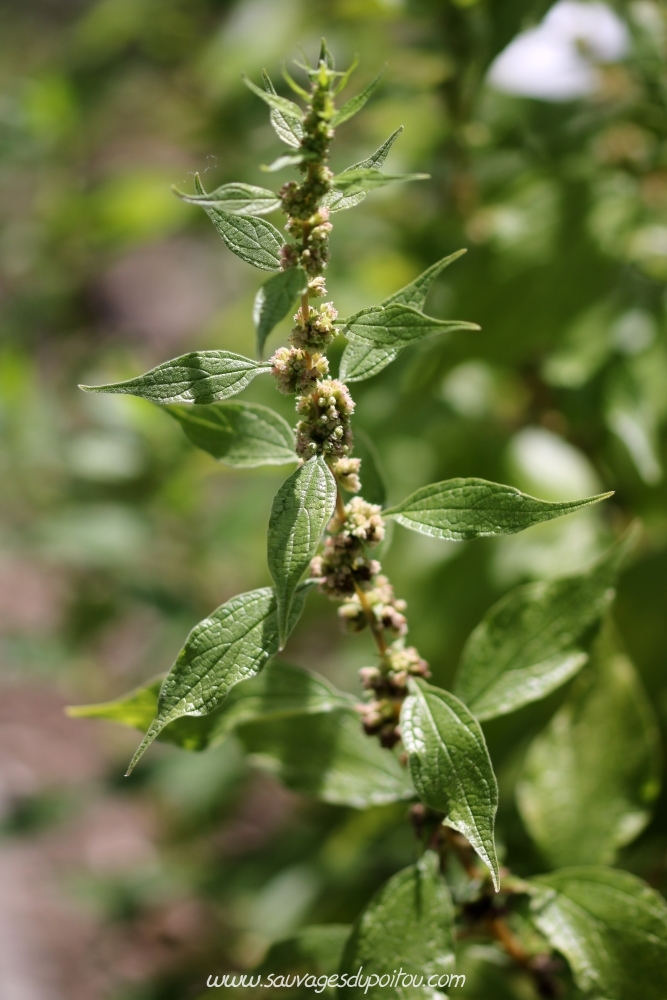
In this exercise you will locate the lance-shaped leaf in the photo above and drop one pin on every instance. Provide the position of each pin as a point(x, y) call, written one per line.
point(408, 923)
point(360, 360)
point(355, 104)
point(230, 646)
point(236, 199)
point(289, 160)
point(327, 757)
point(338, 201)
point(255, 241)
point(273, 100)
point(535, 638)
point(610, 926)
point(242, 435)
point(301, 510)
point(450, 765)
point(461, 509)
point(369, 178)
point(278, 692)
point(397, 325)
point(274, 300)
point(199, 377)
point(286, 124)
point(590, 778)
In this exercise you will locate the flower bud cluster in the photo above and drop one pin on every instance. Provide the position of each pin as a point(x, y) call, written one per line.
point(325, 427)
point(317, 333)
point(343, 564)
point(296, 370)
point(388, 682)
point(346, 471)
point(387, 609)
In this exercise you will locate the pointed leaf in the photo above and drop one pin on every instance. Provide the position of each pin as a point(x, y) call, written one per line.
point(255, 241)
point(282, 104)
point(279, 691)
point(461, 509)
point(610, 926)
point(450, 765)
point(302, 508)
point(242, 435)
point(408, 924)
point(230, 646)
point(397, 325)
point(355, 104)
point(328, 757)
point(199, 377)
point(288, 160)
point(275, 299)
point(535, 639)
point(286, 125)
point(415, 293)
point(338, 201)
point(237, 199)
point(590, 777)
point(369, 178)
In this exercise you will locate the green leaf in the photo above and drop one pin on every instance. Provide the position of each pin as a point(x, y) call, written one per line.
point(610, 926)
point(289, 160)
point(255, 241)
point(461, 509)
point(408, 924)
point(270, 97)
point(302, 508)
point(355, 104)
point(279, 691)
point(274, 300)
point(314, 950)
point(236, 199)
point(590, 778)
point(230, 646)
point(535, 639)
point(373, 485)
point(360, 360)
point(328, 757)
point(199, 377)
point(369, 178)
point(287, 125)
point(450, 765)
point(397, 325)
point(338, 201)
point(242, 435)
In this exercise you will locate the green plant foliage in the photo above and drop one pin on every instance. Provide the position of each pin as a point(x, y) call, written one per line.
point(355, 104)
point(590, 779)
point(338, 200)
point(255, 241)
point(273, 100)
point(274, 300)
point(356, 179)
point(236, 199)
point(396, 326)
point(286, 121)
point(315, 950)
point(229, 646)
point(611, 927)
point(301, 511)
point(461, 509)
point(408, 923)
point(535, 638)
point(199, 377)
point(450, 766)
point(243, 435)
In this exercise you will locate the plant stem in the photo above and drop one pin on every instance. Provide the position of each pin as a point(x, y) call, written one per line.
point(373, 623)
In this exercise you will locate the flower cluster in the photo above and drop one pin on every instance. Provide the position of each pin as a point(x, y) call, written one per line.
point(318, 331)
point(325, 425)
point(346, 471)
point(388, 682)
point(344, 565)
point(387, 609)
point(296, 370)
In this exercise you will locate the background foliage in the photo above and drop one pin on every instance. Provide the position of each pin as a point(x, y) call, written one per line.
point(117, 536)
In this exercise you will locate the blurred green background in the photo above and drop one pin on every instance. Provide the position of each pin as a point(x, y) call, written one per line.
point(116, 536)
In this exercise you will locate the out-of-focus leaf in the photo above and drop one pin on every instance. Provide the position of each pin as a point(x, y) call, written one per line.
point(590, 778)
point(408, 923)
point(355, 104)
point(450, 765)
point(611, 927)
point(255, 241)
point(373, 484)
point(286, 124)
point(199, 377)
point(328, 757)
point(302, 508)
point(242, 435)
point(461, 509)
point(397, 325)
point(535, 638)
point(369, 178)
point(273, 100)
point(280, 690)
point(237, 199)
point(337, 201)
point(288, 160)
point(230, 646)
point(316, 950)
point(274, 300)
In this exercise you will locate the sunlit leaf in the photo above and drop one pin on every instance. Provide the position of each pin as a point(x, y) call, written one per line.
point(255, 241)
point(337, 201)
point(282, 104)
point(355, 104)
point(286, 123)
point(397, 325)
point(242, 435)
point(236, 199)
